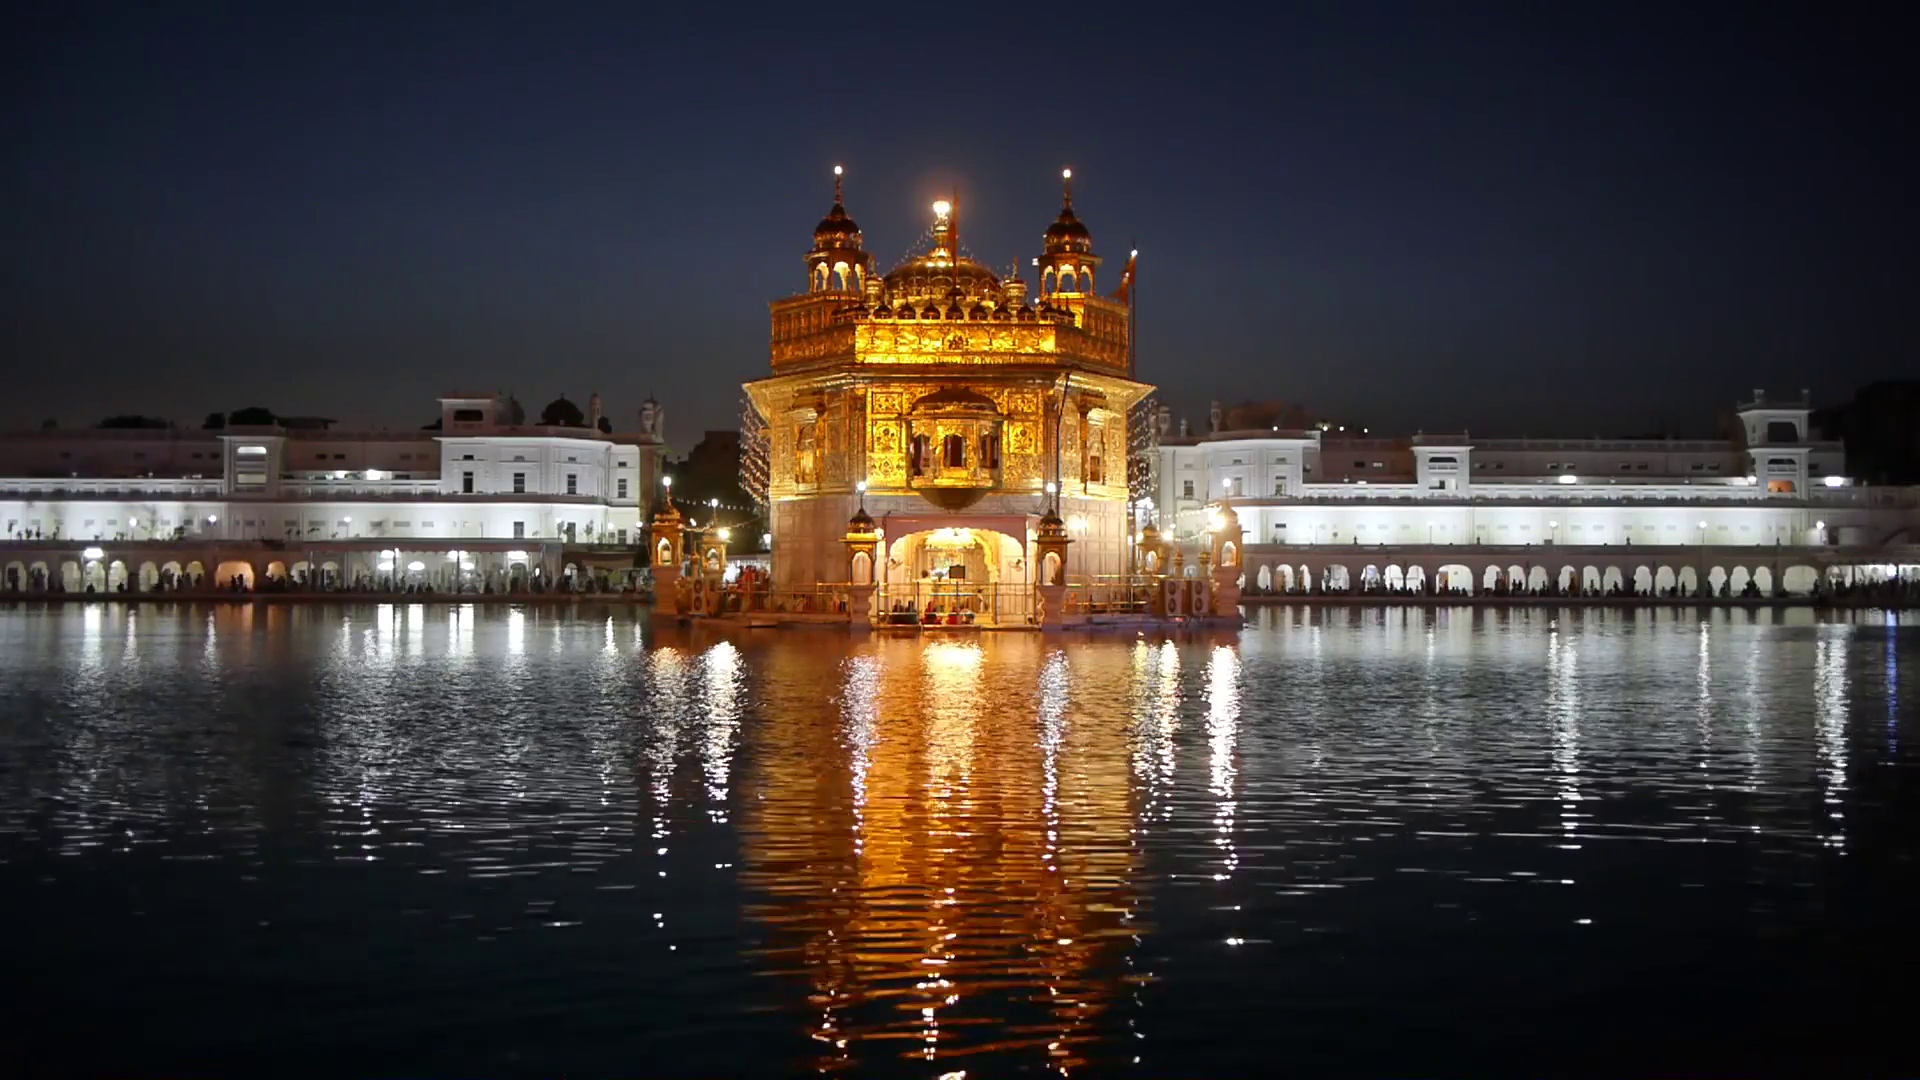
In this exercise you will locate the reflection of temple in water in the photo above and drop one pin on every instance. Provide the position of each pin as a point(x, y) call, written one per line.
point(948, 858)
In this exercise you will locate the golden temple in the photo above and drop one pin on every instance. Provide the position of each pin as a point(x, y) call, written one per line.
point(973, 429)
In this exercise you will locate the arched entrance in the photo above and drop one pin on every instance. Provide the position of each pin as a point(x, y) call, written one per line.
point(958, 576)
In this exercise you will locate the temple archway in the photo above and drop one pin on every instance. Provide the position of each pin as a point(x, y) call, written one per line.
point(233, 572)
point(974, 575)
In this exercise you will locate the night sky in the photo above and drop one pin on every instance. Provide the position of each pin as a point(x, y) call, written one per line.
point(1522, 218)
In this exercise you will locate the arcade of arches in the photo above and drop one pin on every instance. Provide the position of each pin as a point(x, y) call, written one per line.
point(1747, 572)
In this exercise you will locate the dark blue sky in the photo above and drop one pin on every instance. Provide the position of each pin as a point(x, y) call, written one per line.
point(1521, 218)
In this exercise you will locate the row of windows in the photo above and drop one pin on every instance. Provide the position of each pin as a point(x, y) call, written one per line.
point(953, 453)
point(520, 484)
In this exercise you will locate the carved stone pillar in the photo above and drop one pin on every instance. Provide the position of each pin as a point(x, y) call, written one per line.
point(1050, 547)
point(665, 552)
point(1226, 551)
point(862, 544)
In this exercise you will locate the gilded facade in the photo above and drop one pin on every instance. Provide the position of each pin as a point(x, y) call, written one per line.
point(971, 410)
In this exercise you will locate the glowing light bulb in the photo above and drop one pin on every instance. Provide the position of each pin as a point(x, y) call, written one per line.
point(942, 208)
point(837, 170)
point(1066, 174)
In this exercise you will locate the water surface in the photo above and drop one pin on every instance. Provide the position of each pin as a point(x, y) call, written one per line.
point(393, 839)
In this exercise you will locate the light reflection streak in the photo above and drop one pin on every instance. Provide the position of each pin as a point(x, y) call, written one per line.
point(92, 652)
point(1830, 700)
point(667, 676)
point(722, 673)
point(1053, 724)
point(1157, 673)
point(1893, 686)
point(1563, 714)
point(1703, 695)
point(416, 629)
point(1223, 735)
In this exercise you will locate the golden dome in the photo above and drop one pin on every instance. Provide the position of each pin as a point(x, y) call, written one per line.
point(836, 229)
point(942, 273)
point(1067, 233)
point(937, 276)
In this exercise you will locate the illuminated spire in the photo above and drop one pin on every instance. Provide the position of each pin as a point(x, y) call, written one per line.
point(837, 200)
point(1066, 183)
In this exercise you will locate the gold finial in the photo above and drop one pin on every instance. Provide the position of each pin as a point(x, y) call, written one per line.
point(1066, 182)
point(836, 184)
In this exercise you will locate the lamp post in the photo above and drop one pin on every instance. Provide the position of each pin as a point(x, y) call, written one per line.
point(1553, 533)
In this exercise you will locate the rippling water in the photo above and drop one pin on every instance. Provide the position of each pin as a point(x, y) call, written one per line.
point(395, 839)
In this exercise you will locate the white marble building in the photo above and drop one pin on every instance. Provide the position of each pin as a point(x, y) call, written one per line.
point(1774, 486)
point(481, 481)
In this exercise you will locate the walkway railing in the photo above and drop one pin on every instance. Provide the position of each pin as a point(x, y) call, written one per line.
point(947, 602)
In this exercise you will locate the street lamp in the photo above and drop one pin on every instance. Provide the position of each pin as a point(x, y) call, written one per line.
point(1552, 531)
point(1429, 532)
point(1703, 532)
point(724, 533)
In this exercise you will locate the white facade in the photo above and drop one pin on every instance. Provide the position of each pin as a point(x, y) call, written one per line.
point(1772, 485)
point(478, 477)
